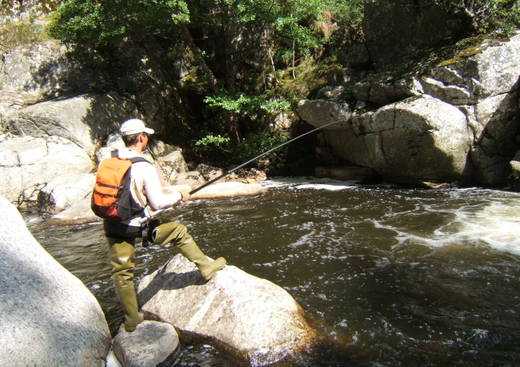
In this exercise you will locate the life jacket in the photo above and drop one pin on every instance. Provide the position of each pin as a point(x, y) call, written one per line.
point(111, 197)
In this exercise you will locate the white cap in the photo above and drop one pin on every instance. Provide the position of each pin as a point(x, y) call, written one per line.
point(134, 126)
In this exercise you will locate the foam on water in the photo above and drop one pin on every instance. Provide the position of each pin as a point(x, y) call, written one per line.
point(496, 224)
point(310, 183)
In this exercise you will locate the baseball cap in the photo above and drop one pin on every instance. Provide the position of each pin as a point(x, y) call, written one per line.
point(134, 126)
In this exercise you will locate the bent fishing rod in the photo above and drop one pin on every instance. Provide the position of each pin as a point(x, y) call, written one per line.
point(228, 172)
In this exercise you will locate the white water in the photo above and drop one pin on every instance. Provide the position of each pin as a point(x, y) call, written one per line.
point(496, 223)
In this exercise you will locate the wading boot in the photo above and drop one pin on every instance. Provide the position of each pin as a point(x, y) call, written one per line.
point(121, 254)
point(177, 234)
point(128, 299)
point(207, 267)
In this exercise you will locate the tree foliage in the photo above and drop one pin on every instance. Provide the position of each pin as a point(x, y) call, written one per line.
point(244, 51)
point(92, 22)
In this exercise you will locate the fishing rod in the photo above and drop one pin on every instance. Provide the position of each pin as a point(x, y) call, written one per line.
point(228, 172)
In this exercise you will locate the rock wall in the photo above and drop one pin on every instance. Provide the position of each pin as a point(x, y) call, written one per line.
point(457, 122)
point(396, 30)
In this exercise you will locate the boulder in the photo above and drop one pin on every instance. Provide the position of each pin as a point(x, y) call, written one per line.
point(84, 120)
point(346, 173)
point(320, 112)
point(191, 178)
point(48, 316)
point(380, 92)
point(252, 318)
point(77, 213)
point(65, 191)
point(514, 179)
point(29, 164)
point(36, 68)
point(171, 164)
point(149, 345)
point(229, 190)
point(421, 138)
point(460, 123)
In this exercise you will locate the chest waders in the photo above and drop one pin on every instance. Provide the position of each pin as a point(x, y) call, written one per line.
point(121, 256)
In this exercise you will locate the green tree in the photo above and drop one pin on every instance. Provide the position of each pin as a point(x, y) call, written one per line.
point(236, 44)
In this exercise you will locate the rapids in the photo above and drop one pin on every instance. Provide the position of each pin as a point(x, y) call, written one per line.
point(395, 277)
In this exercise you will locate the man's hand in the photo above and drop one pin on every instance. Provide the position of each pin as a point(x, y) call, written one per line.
point(185, 192)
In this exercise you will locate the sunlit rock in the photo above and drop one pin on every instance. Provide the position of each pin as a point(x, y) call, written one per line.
point(229, 189)
point(254, 319)
point(84, 120)
point(29, 164)
point(48, 317)
point(420, 138)
point(64, 191)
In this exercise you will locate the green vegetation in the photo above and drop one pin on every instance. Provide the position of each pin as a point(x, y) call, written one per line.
point(256, 144)
point(495, 15)
point(245, 60)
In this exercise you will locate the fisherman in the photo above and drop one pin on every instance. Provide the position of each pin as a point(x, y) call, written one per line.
point(147, 191)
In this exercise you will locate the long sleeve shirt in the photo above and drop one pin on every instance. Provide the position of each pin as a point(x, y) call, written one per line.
point(146, 187)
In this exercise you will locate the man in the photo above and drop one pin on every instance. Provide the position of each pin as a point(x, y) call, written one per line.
point(147, 191)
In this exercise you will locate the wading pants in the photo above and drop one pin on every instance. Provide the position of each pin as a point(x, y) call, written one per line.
point(121, 255)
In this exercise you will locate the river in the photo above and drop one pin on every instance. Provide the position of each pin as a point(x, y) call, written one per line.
point(401, 277)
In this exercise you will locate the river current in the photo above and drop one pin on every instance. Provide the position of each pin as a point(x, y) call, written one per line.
point(395, 277)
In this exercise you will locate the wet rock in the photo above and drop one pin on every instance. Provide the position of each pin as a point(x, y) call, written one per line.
point(149, 345)
point(48, 317)
point(252, 318)
point(346, 173)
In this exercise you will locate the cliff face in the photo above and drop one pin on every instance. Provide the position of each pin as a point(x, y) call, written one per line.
point(455, 120)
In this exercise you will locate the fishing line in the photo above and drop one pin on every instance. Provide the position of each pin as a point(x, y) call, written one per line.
point(228, 172)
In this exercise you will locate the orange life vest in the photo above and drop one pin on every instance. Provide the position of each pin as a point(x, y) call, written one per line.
point(111, 197)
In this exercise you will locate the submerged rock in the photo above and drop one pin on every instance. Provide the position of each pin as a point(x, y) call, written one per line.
point(252, 318)
point(48, 317)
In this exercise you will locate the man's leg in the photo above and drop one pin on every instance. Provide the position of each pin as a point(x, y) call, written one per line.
point(121, 254)
point(177, 234)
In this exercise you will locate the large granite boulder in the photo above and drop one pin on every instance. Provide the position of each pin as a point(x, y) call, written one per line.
point(48, 317)
point(84, 120)
point(253, 319)
point(421, 138)
point(29, 164)
point(151, 344)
